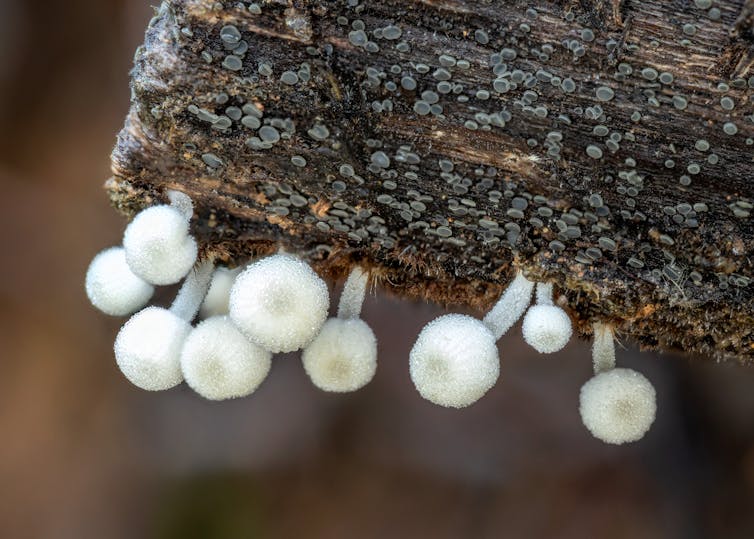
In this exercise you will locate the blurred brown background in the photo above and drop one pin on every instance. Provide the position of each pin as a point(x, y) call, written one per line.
point(85, 454)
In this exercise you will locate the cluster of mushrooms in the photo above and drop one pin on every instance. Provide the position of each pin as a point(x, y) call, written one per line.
point(279, 304)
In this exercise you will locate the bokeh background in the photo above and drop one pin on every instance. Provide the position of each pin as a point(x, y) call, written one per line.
point(85, 454)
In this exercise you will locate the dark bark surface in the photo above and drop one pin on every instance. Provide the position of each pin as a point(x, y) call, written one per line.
point(604, 146)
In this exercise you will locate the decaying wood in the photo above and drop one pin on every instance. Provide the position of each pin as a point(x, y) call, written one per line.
point(612, 154)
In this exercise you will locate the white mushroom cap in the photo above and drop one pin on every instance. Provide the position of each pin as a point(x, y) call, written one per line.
point(217, 298)
point(454, 361)
point(279, 303)
point(148, 348)
point(218, 362)
point(547, 328)
point(343, 357)
point(618, 406)
point(158, 246)
point(112, 287)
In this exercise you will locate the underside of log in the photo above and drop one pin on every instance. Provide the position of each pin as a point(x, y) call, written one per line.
point(605, 146)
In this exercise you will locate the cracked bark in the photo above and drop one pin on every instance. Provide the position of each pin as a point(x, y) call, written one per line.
point(678, 277)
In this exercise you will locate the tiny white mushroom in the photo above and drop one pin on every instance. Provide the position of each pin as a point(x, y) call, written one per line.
point(148, 346)
point(546, 327)
point(158, 246)
point(279, 303)
point(454, 361)
point(112, 287)
point(219, 362)
point(343, 356)
point(618, 406)
point(217, 298)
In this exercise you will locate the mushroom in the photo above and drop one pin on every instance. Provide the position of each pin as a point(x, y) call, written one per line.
point(618, 405)
point(148, 346)
point(112, 287)
point(279, 303)
point(546, 327)
point(343, 356)
point(219, 362)
point(454, 361)
point(158, 246)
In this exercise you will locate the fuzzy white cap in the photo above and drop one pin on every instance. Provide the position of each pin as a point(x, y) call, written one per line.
point(547, 328)
point(112, 287)
point(217, 298)
point(148, 348)
point(454, 361)
point(218, 362)
point(158, 246)
point(279, 303)
point(618, 406)
point(343, 357)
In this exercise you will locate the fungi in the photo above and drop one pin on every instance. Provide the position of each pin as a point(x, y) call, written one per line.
point(112, 287)
point(158, 246)
point(279, 303)
point(219, 362)
point(546, 327)
point(343, 356)
point(616, 405)
point(148, 346)
point(454, 361)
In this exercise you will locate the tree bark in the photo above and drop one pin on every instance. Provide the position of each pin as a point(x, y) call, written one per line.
point(605, 146)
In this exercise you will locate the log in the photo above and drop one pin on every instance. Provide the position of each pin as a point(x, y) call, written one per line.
point(605, 146)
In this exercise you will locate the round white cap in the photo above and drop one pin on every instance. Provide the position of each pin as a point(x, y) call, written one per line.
point(148, 348)
point(218, 362)
point(112, 287)
point(454, 361)
point(279, 303)
point(547, 328)
point(343, 357)
point(618, 406)
point(158, 246)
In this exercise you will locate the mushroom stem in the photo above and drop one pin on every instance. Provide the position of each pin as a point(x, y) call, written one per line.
point(603, 348)
point(181, 202)
point(510, 306)
point(352, 297)
point(193, 290)
point(544, 294)
point(218, 295)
